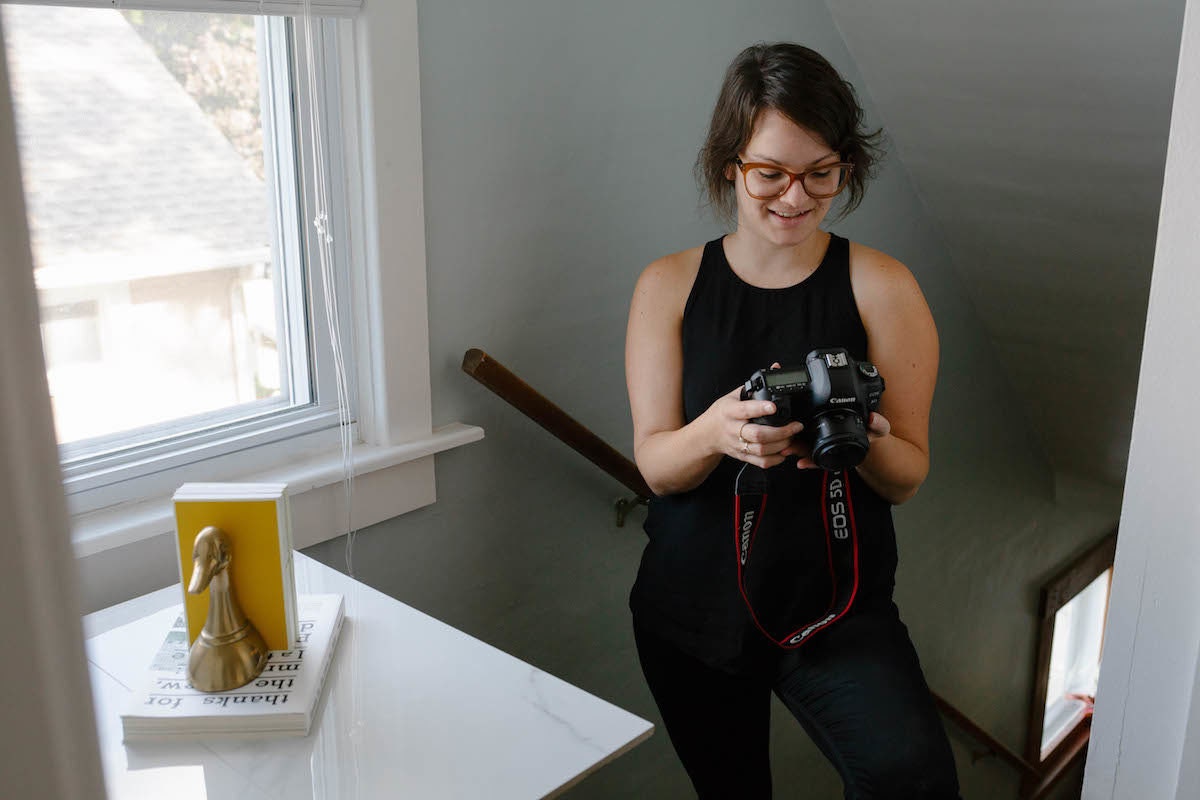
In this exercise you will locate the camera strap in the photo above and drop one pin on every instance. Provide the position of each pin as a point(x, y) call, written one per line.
point(841, 542)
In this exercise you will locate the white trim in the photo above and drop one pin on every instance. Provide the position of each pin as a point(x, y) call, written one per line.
point(324, 8)
point(213, 435)
point(135, 522)
point(323, 102)
point(1146, 729)
point(393, 289)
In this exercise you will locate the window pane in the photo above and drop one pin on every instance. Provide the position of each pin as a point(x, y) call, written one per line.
point(1075, 660)
point(151, 216)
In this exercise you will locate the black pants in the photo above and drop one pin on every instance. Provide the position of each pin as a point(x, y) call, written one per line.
point(857, 689)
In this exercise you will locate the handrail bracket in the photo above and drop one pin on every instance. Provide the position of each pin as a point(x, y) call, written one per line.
point(624, 506)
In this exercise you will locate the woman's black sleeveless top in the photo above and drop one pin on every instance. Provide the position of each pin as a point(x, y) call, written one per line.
point(687, 588)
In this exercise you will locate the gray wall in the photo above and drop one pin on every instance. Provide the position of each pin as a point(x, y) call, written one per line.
point(558, 145)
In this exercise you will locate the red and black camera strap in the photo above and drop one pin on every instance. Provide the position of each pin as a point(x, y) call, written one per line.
point(841, 542)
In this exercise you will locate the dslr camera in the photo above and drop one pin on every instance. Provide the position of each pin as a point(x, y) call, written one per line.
point(832, 395)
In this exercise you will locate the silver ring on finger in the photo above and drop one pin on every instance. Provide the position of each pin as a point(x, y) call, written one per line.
point(743, 438)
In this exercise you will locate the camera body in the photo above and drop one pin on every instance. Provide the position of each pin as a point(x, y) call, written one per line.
point(832, 395)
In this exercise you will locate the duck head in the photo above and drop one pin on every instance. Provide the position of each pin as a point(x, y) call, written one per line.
point(210, 555)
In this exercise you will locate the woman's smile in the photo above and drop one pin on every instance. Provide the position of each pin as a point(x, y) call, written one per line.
point(789, 218)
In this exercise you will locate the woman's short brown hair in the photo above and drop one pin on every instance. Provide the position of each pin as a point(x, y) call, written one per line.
point(800, 84)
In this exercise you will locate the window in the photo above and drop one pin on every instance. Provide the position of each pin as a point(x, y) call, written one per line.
point(159, 151)
point(1074, 662)
point(266, 411)
point(1074, 607)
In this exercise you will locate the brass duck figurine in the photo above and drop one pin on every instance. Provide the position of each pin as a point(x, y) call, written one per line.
point(229, 652)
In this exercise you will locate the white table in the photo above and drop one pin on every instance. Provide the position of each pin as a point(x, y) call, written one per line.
point(412, 709)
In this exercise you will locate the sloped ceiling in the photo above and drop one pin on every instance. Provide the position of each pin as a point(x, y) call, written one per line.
point(1036, 135)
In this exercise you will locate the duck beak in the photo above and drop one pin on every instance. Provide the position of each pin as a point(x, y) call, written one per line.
point(202, 572)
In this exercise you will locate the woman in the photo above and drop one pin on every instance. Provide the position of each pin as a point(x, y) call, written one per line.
point(785, 141)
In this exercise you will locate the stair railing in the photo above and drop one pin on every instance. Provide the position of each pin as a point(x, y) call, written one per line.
point(519, 394)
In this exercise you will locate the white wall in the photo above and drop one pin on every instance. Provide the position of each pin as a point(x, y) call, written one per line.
point(1142, 742)
point(47, 734)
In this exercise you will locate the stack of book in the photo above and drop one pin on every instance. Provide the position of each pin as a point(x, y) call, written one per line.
point(282, 700)
point(254, 520)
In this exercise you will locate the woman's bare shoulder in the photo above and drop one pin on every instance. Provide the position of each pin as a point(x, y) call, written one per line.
point(875, 263)
point(669, 280)
point(875, 275)
point(676, 267)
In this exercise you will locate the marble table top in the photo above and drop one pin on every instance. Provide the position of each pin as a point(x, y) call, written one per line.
point(411, 708)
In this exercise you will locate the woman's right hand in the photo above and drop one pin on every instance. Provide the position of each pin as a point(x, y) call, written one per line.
point(737, 437)
point(672, 454)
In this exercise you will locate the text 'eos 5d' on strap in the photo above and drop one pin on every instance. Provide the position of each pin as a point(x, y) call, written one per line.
point(841, 541)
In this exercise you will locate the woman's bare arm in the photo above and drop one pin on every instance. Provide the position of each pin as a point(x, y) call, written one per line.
point(671, 455)
point(903, 344)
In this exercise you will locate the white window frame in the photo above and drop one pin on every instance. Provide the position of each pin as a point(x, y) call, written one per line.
point(236, 438)
point(372, 83)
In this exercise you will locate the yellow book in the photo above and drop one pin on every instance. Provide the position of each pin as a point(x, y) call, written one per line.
point(257, 519)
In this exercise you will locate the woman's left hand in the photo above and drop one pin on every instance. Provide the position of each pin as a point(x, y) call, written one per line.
point(802, 452)
point(878, 428)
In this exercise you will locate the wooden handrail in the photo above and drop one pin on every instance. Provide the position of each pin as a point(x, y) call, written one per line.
point(495, 376)
point(519, 394)
point(993, 745)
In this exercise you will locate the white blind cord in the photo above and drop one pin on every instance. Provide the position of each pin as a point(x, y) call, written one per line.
point(324, 249)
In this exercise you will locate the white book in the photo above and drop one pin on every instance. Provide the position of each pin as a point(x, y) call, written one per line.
point(281, 700)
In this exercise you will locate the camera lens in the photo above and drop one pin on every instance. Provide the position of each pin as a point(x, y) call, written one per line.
point(839, 441)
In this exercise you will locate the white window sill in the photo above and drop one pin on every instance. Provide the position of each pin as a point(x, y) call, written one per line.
point(388, 481)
